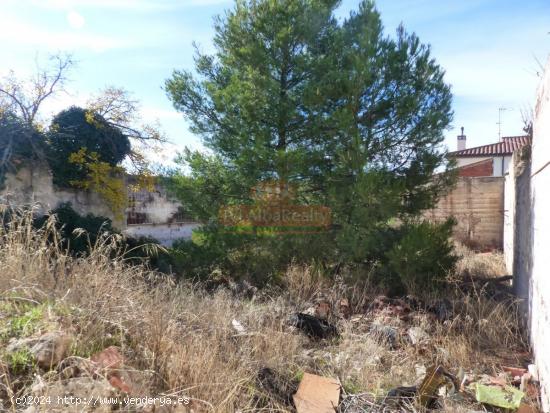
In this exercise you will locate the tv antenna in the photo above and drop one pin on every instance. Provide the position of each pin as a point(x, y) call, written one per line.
point(499, 123)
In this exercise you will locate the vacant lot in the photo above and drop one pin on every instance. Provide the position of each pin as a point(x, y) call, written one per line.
point(227, 347)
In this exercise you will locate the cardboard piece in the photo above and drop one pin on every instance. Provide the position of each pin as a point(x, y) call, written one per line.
point(317, 394)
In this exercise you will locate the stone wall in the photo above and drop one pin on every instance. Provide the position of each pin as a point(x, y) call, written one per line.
point(32, 185)
point(477, 205)
point(158, 214)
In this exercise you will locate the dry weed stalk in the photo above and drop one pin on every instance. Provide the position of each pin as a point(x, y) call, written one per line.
point(183, 336)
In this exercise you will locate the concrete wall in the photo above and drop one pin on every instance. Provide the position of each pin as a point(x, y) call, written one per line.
point(540, 204)
point(517, 216)
point(477, 205)
point(509, 224)
point(166, 234)
point(501, 164)
point(158, 216)
point(527, 230)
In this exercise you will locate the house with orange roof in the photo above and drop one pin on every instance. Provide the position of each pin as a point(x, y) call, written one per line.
point(487, 160)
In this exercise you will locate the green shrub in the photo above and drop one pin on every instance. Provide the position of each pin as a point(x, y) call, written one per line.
point(260, 258)
point(79, 233)
point(67, 221)
point(423, 257)
point(409, 257)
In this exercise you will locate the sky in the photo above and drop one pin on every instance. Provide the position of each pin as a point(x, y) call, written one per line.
point(492, 50)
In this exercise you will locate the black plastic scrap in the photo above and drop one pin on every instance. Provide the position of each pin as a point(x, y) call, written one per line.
point(277, 385)
point(312, 326)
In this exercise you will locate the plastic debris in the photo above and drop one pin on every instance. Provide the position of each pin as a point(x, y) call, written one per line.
point(428, 390)
point(507, 397)
point(317, 394)
point(238, 327)
point(515, 372)
point(312, 326)
point(417, 335)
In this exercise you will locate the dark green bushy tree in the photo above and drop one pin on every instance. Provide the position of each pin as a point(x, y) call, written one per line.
point(355, 119)
point(76, 128)
point(19, 142)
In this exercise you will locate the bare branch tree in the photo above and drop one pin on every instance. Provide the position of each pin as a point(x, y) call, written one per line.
point(120, 110)
point(527, 116)
point(20, 103)
point(25, 98)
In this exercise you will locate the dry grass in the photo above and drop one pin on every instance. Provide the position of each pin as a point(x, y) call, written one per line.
point(183, 339)
point(472, 264)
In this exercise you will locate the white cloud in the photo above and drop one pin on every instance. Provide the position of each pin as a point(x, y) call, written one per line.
point(490, 75)
point(76, 21)
point(16, 32)
point(137, 5)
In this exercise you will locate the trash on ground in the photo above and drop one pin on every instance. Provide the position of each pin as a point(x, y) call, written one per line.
point(312, 326)
point(238, 327)
point(417, 335)
point(323, 310)
point(515, 372)
point(435, 378)
point(426, 393)
point(385, 335)
point(277, 385)
point(317, 394)
point(533, 371)
point(507, 397)
point(108, 359)
point(345, 308)
point(400, 395)
point(525, 408)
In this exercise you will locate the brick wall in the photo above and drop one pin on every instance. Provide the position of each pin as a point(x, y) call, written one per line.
point(483, 168)
point(477, 205)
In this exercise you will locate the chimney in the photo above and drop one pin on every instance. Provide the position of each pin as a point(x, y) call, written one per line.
point(461, 140)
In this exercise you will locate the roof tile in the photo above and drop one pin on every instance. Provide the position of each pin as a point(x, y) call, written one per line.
point(507, 146)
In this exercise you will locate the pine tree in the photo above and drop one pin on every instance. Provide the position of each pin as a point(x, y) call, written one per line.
point(353, 117)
